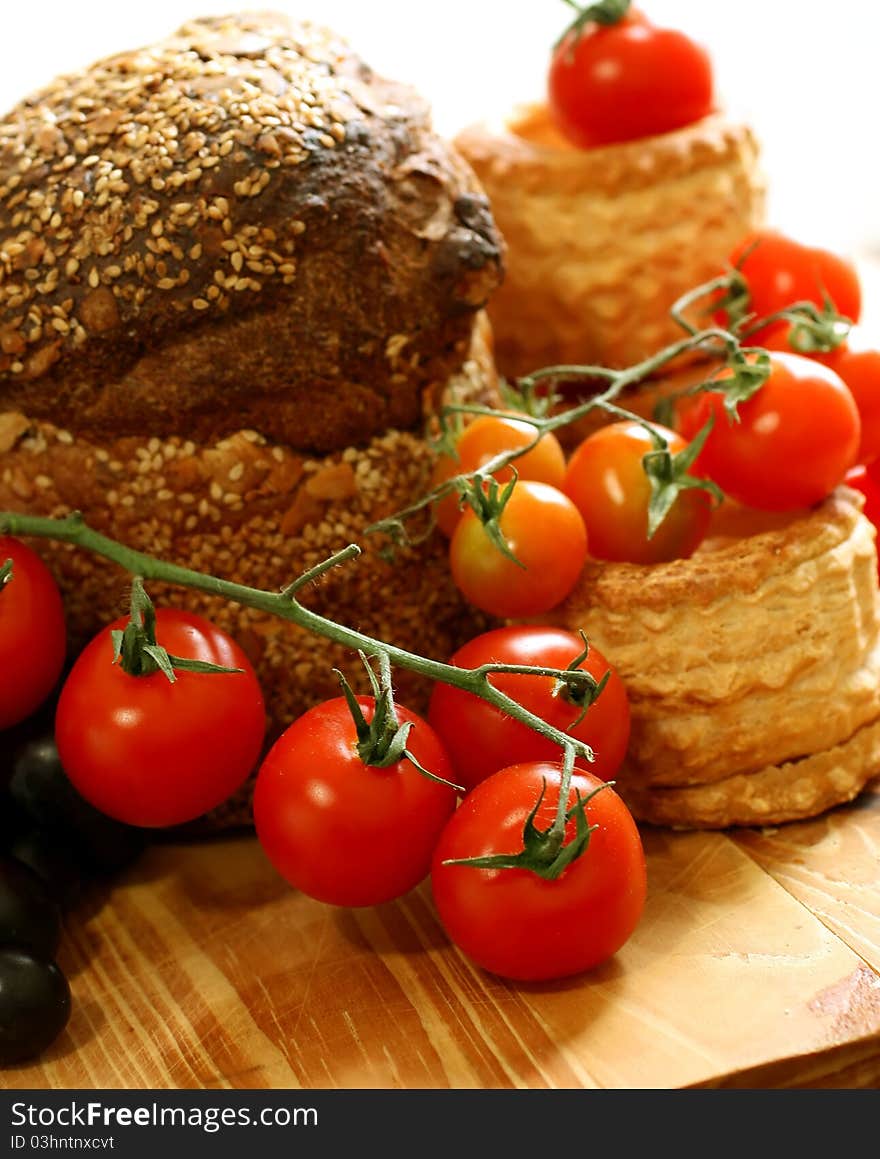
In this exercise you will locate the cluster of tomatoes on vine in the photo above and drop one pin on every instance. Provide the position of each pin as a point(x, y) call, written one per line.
point(535, 873)
point(640, 491)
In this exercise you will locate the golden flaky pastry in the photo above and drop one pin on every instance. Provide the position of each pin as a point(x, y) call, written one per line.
point(601, 242)
point(753, 669)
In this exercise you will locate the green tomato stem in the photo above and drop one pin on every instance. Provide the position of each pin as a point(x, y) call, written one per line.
point(73, 529)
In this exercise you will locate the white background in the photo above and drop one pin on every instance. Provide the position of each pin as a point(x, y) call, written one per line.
point(806, 73)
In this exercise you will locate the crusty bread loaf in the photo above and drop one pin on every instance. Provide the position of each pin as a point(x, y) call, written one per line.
point(238, 273)
point(239, 227)
point(601, 242)
point(753, 668)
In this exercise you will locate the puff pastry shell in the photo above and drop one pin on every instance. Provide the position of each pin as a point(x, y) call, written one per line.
point(601, 242)
point(753, 669)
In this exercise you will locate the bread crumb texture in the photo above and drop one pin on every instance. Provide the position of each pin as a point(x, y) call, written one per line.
point(238, 274)
point(259, 514)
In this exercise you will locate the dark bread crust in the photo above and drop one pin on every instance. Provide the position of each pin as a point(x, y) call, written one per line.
point(240, 226)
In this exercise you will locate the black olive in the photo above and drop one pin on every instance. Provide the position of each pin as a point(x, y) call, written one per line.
point(34, 1005)
point(29, 917)
point(52, 858)
point(41, 788)
point(34, 727)
point(12, 819)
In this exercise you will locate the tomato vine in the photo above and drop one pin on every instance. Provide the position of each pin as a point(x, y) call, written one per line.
point(739, 371)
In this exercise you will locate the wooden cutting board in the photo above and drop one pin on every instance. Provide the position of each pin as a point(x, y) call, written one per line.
point(757, 963)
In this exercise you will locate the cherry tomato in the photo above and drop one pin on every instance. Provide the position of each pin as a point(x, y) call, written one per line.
point(780, 271)
point(150, 752)
point(483, 439)
point(607, 483)
point(863, 479)
point(34, 1004)
point(796, 438)
point(857, 361)
point(342, 831)
point(546, 534)
point(622, 81)
point(33, 637)
point(480, 739)
point(515, 923)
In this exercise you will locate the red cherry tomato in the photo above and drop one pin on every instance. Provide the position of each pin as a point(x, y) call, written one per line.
point(865, 480)
point(546, 534)
point(796, 438)
point(517, 924)
point(342, 831)
point(608, 485)
point(150, 752)
point(780, 271)
point(623, 81)
point(481, 739)
point(857, 362)
point(33, 637)
point(480, 442)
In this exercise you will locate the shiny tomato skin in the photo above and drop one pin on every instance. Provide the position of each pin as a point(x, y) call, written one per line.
point(797, 437)
point(480, 739)
point(865, 480)
point(152, 753)
point(546, 534)
point(780, 271)
point(33, 636)
point(608, 485)
point(516, 924)
point(483, 439)
point(857, 362)
point(343, 832)
point(628, 80)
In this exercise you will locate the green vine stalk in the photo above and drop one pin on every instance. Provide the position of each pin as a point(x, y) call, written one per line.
point(746, 368)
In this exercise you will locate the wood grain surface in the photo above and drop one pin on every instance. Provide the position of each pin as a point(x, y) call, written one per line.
point(756, 964)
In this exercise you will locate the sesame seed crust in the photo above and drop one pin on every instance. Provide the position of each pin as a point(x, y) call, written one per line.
point(259, 513)
point(228, 230)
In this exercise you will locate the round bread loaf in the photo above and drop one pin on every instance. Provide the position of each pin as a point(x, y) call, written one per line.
point(601, 242)
point(238, 273)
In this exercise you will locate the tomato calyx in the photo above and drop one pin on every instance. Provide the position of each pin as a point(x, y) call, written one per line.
point(488, 499)
point(382, 741)
point(525, 396)
point(811, 330)
point(577, 686)
point(735, 303)
point(545, 852)
point(605, 12)
point(668, 476)
point(137, 651)
point(6, 574)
